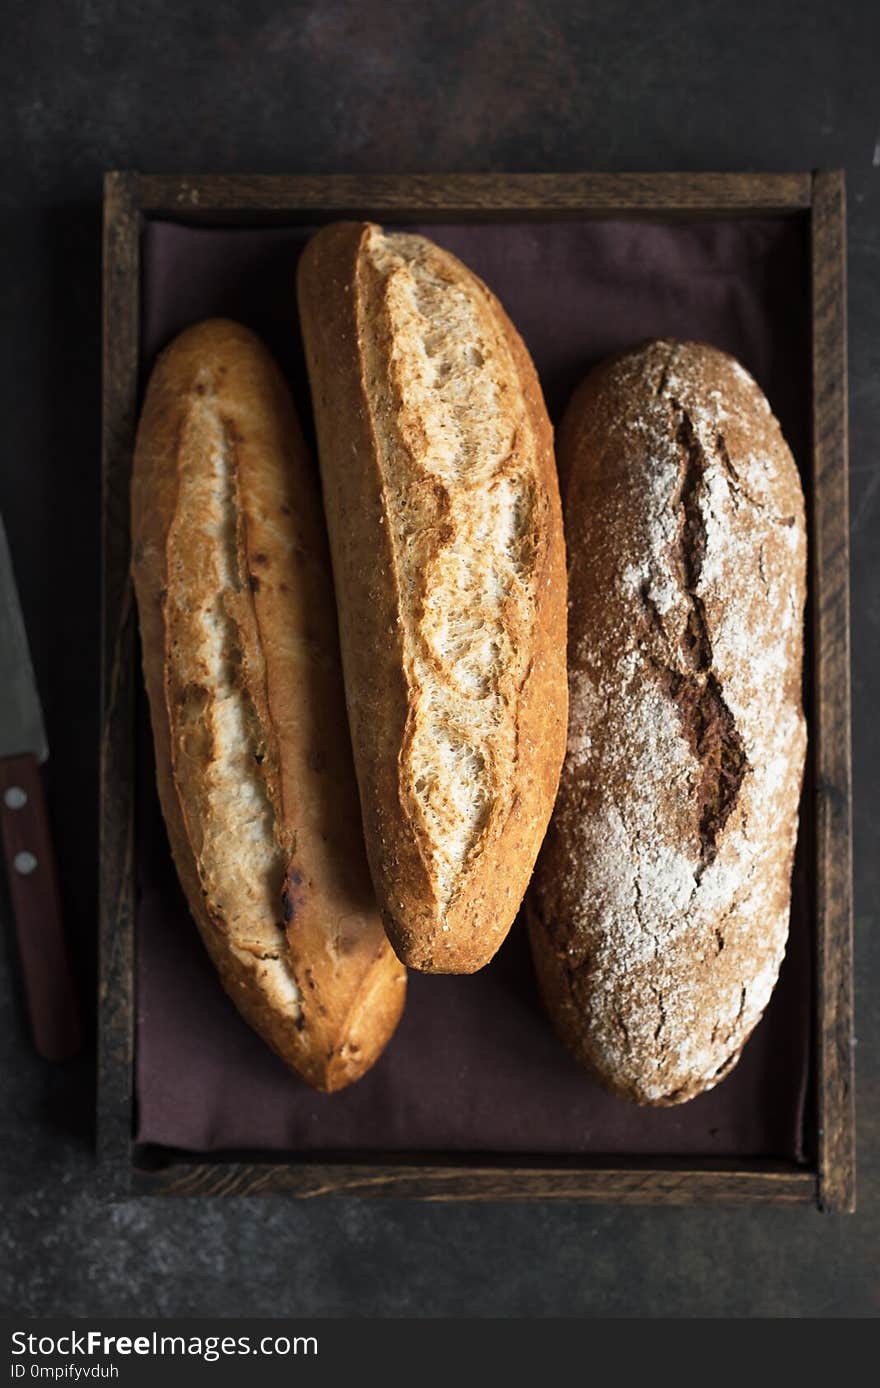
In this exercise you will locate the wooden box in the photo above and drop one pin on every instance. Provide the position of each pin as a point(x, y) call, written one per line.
point(819, 200)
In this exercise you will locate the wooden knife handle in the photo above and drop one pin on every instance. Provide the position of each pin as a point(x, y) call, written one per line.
point(36, 902)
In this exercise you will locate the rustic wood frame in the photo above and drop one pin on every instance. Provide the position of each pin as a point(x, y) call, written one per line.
point(130, 198)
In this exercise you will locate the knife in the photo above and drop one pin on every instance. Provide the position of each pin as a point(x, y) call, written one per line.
point(27, 841)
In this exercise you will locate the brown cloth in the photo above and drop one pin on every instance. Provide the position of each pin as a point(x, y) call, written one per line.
point(475, 1066)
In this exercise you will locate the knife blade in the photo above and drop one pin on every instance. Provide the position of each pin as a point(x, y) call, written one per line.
point(21, 717)
point(27, 839)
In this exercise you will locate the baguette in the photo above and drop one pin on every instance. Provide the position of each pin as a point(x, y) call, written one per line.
point(242, 671)
point(448, 557)
point(659, 912)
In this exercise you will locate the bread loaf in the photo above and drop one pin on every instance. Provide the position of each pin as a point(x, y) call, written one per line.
point(242, 670)
point(445, 530)
point(660, 907)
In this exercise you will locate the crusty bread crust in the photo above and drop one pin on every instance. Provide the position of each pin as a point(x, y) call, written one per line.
point(659, 910)
point(242, 671)
point(448, 555)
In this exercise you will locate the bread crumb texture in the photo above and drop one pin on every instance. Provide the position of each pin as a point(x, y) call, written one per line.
point(457, 456)
point(217, 743)
point(661, 907)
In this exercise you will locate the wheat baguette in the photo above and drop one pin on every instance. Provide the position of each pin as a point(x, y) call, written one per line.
point(242, 670)
point(448, 557)
point(659, 910)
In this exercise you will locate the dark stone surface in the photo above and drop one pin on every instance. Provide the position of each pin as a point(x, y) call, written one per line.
point(347, 86)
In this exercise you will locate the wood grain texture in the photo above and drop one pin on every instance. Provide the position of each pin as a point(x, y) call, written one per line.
point(447, 197)
point(121, 324)
point(633, 1186)
point(830, 588)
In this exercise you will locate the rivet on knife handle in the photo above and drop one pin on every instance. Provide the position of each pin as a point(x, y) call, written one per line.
point(33, 887)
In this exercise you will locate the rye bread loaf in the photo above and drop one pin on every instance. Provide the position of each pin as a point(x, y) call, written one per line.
point(660, 907)
point(446, 534)
point(242, 669)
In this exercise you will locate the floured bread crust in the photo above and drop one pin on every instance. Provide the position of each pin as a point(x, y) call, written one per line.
point(445, 528)
point(242, 670)
point(660, 907)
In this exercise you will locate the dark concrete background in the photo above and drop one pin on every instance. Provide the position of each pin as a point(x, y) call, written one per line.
point(88, 85)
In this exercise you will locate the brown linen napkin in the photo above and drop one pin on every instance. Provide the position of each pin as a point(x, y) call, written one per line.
point(475, 1066)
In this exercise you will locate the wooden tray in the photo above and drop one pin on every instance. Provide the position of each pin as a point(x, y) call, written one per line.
point(130, 199)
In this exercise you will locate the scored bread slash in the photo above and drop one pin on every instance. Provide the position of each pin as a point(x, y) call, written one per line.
point(448, 556)
point(242, 668)
point(660, 906)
